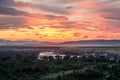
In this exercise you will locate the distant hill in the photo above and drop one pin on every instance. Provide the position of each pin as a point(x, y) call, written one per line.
point(23, 43)
point(93, 43)
point(69, 43)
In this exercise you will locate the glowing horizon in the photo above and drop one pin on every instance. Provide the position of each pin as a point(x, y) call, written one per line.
point(59, 20)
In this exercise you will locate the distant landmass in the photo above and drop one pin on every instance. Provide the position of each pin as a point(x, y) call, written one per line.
point(23, 43)
point(69, 43)
point(94, 43)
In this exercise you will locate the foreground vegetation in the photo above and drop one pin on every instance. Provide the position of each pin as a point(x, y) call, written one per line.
point(25, 66)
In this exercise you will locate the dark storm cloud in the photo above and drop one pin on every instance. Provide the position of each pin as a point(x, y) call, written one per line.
point(14, 18)
point(112, 17)
point(12, 3)
point(6, 9)
point(110, 9)
point(54, 9)
point(52, 17)
point(54, 6)
point(7, 2)
point(10, 11)
point(113, 13)
point(11, 20)
point(108, 1)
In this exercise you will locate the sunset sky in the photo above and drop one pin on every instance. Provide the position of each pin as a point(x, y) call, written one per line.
point(59, 20)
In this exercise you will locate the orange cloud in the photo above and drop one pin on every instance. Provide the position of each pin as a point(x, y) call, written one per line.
point(64, 21)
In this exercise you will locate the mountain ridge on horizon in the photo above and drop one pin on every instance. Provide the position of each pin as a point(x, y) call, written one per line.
point(78, 43)
point(94, 42)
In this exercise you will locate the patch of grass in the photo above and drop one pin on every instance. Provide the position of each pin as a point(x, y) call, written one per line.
point(55, 75)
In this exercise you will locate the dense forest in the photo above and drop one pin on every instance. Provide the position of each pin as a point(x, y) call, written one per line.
point(17, 65)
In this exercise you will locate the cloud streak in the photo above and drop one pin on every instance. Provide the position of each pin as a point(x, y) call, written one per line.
point(59, 20)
